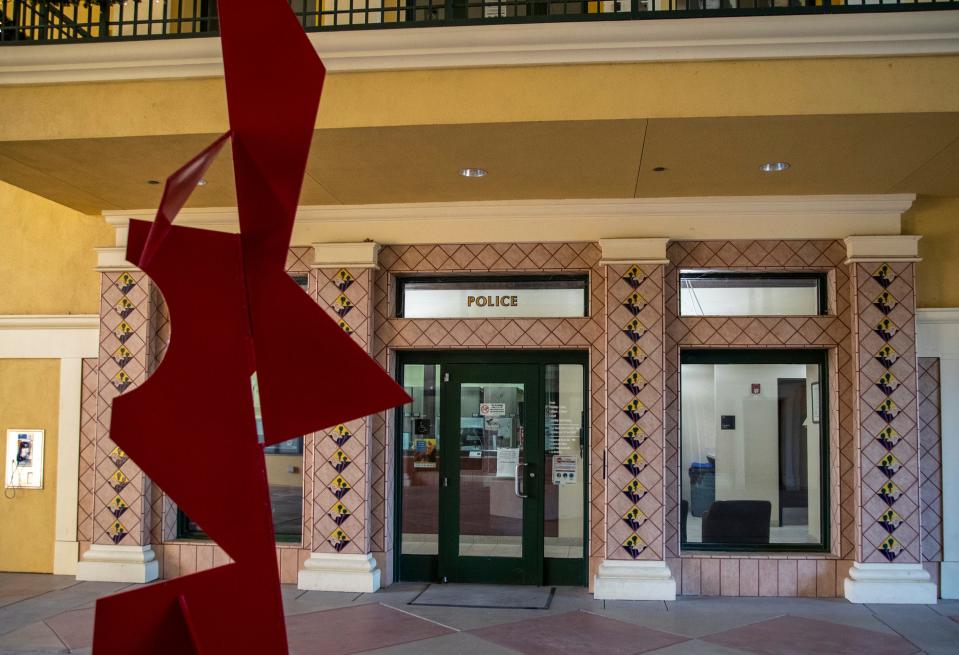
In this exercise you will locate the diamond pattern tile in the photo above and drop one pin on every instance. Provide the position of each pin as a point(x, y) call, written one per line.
point(930, 459)
point(586, 333)
point(888, 411)
point(120, 501)
point(832, 332)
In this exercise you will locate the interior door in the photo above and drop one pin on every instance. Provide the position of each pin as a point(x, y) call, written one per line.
point(491, 496)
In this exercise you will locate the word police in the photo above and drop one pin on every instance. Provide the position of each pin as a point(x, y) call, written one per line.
point(492, 301)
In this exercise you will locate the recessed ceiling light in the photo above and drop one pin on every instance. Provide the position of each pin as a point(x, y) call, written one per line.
point(201, 182)
point(472, 172)
point(153, 181)
point(774, 166)
point(659, 169)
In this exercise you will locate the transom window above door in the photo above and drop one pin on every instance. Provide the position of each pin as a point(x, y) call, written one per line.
point(745, 293)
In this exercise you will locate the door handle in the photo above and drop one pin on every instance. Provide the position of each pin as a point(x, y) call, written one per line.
point(516, 481)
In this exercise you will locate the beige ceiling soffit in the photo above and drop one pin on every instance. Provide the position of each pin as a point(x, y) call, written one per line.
point(633, 251)
point(742, 217)
point(889, 248)
point(742, 37)
point(346, 255)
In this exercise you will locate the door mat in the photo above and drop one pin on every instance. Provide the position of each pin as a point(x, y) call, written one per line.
point(486, 596)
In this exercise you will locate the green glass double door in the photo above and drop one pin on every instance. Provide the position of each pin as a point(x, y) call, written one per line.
point(492, 462)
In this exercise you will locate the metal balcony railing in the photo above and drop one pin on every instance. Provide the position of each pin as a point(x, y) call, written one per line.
point(65, 21)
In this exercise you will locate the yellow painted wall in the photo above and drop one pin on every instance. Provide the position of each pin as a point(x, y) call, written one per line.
point(937, 220)
point(29, 399)
point(46, 255)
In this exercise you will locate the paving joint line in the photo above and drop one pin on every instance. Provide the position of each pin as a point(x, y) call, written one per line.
point(424, 618)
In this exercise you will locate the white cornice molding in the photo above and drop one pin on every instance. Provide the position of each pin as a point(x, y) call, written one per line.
point(587, 42)
point(678, 219)
point(937, 333)
point(346, 255)
point(115, 259)
point(41, 336)
point(633, 251)
point(886, 248)
point(49, 321)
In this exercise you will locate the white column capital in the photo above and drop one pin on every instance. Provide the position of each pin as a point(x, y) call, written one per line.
point(634, 251)
point(890, 583)
point(634, 580)
point(364, 254)
point(113, 259)
point(887, 248)
point(109, 563)
point(339, 572)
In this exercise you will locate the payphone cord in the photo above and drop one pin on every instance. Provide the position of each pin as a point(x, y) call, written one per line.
point(10, 490)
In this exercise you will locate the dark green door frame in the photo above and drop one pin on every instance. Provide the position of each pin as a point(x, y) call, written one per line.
point(526, 366)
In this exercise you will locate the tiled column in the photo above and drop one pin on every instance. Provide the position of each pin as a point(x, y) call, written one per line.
point(888, 566)
point(634, 567)
point(342, 558)
point(121, 549)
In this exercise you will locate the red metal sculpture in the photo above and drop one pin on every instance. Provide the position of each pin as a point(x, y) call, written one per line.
point(233, 311)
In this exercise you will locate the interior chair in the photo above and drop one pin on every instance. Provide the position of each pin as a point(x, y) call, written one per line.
point(737, 521)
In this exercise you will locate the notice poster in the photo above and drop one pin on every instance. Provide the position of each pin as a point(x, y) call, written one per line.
point(564, 469)
point(492, 409)
point(506, 461)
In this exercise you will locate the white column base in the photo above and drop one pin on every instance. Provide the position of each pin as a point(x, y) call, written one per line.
point(108, 563)
point(65, 556)
point(634, 580)
point(949, 579)
point(339, 572)
point(905, 584)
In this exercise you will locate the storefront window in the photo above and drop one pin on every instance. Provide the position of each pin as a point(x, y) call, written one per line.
point(284, 475)
point(754, 465)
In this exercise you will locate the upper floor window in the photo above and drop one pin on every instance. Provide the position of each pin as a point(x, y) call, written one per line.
point(738, 293)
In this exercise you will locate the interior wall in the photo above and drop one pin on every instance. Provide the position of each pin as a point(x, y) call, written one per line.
point(937, 220)
point(47, 255)
point(747, 456)
point(29, 399)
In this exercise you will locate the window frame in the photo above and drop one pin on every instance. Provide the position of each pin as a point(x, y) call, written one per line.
point(820, 277)
point(818, 356)
point(402, 280)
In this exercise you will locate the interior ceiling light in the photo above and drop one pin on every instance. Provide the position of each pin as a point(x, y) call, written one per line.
point(473, 172)
point(153, 181)
point(201, 182)
point(774, 166)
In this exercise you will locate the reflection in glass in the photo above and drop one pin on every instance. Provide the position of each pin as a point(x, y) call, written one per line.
point(563, 511)
point(491, 460)
point(421, 460)
point(711, 293)
point(751, 454)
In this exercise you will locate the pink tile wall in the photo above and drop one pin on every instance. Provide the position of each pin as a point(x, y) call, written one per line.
point(831, 332)
point(634, 437)
point(930, 459)
point(888, 413)
point(582, 333)
point(734, 575)
point(121, 493)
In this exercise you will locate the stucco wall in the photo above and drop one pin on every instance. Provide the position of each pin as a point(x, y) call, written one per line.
point(29, 397)
point(937, 220)
point(47, 256)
